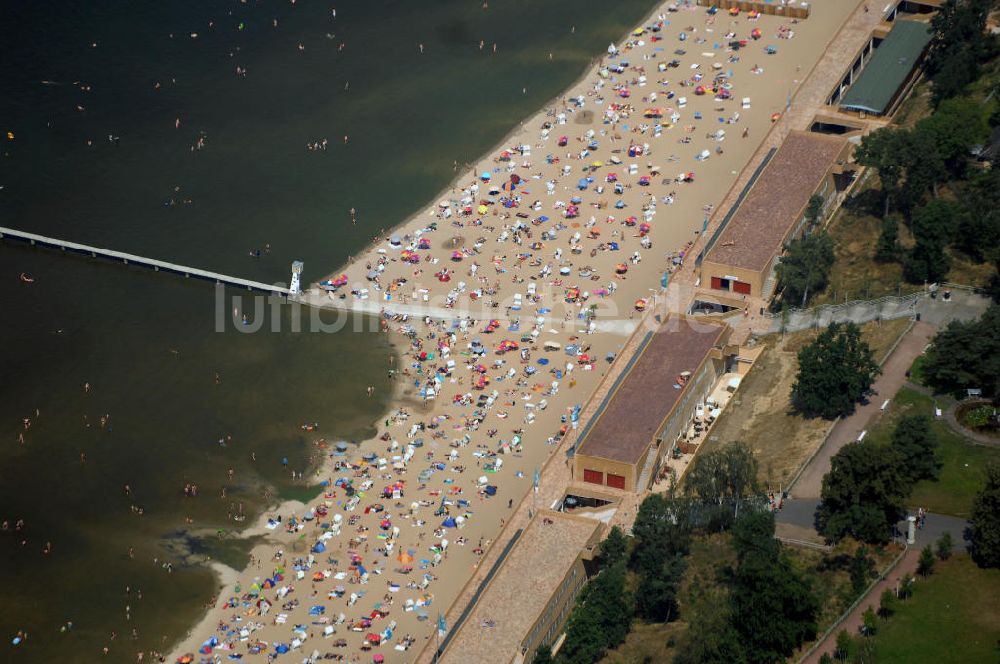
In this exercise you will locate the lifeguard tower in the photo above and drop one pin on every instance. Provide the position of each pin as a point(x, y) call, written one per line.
point(296, 286)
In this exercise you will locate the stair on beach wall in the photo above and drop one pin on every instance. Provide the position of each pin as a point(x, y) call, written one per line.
point(647, 470)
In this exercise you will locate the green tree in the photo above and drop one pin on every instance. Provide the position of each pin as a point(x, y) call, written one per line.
point(662, 533)
point(978, 230)
point(825, 658)
point(925, 167)
point(917, 448)
point(955, 127)
point(863, 494)
point(601, 618)
point(945, 546)
point(861, 570)
point(662, 528)
point(805, 266)
point(711, 639)
point(814, 209)
point(835, 372)
point(870, 621)
point(543, 655)
point(843, 645)
point(984, 526)
point(657, 597)
point(955, 73)
point(925, 564)
point(933, 227)
point(887, 249)
point(906, 586)
point(726, 475)
point(887, 604)
point(958, 44)
point(966, 355)
point(773, 607)
point(614, 547)
point(885, 150)
point(753, 536)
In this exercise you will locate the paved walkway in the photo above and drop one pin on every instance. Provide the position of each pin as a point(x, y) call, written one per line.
point(847, 429)
point(907, 566)
point(801, 513)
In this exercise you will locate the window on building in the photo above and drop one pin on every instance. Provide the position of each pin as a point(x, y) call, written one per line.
point(741, 287)
point(593, 476)
point(616, 481)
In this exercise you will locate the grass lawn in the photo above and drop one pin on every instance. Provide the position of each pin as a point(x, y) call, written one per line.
point(953, 616)
point(647, 642)
point(963, 462)
point(829, 574)
point(917, 370)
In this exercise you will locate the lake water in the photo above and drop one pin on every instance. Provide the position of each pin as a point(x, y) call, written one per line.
point(107, 110)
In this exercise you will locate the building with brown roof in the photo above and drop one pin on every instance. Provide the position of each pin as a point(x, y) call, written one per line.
point(744, 254)
point(529, 599)
point(654, 401)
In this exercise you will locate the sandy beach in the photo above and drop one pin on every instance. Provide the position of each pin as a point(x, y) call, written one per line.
point(509, 295)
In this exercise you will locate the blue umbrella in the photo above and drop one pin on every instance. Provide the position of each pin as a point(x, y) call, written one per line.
point(281, 648)
point(449, 523)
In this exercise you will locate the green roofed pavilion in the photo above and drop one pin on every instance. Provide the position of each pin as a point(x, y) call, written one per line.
point(894, 61)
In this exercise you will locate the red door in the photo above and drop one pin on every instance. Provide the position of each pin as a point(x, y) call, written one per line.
point(616, 481)
point(593, 476)
point(717, 283)
point(741, 287)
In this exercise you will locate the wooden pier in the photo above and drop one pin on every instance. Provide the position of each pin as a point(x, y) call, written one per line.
point(152, 263)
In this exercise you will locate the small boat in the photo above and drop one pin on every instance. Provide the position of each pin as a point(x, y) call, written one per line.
point(310, 426)
point(26, 279)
